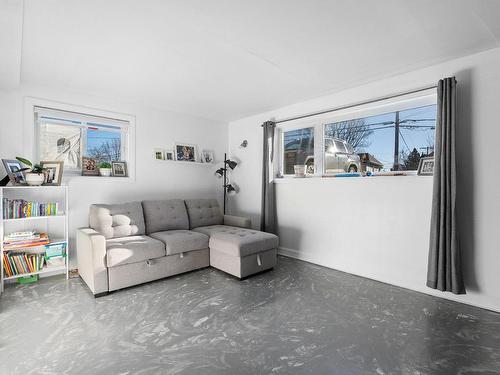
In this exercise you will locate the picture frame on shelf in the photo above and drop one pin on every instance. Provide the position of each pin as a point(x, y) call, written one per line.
point(119, 168)
point(53, 172)
point(207, 157)
point(169, 155)
point(159, 154)
point(186, 152)
point(15, 171)
point(426, 166)
point(89, 166)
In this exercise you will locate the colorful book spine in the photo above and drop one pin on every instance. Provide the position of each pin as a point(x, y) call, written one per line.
point(20, 263)
point(19, 208)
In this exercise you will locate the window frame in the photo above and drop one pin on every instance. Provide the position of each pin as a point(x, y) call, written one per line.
point(31, 133)
point(399, 103)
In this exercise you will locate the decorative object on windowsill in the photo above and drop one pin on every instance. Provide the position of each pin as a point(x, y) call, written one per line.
point(300, 170)
point(244, 144)
point(89, 166)
point(119, 168)
point(159, 154)
point(105, 169)
point(426, 166)
point(222, 173)
point(53, 172)
point(207, 157)
point(15, 173)
point(35, 174)
point(186, 152)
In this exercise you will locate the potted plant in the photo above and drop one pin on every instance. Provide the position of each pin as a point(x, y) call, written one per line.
point(105, 169)
point(36, 174)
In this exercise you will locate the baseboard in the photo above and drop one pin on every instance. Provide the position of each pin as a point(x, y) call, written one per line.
point(308, 257)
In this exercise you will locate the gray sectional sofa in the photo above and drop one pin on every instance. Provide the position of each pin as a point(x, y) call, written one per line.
point(133, 243)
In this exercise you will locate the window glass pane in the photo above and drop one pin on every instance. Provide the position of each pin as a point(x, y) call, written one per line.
point(298, 148)
point(416, 135)
point(60, 142)
point(386, 142)
point(103, 145)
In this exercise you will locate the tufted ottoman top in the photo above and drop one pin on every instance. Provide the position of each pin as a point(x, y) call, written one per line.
point(238, 242)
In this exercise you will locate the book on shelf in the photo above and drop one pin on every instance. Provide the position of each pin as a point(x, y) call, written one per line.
point(23, 240)
point(19, 263)
point(20, 208)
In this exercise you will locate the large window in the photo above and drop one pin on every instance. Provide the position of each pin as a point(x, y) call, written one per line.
point(382, 137)
point(392, 141)
point(67, 136)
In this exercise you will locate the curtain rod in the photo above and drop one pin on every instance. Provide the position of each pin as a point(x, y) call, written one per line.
point(354, 105)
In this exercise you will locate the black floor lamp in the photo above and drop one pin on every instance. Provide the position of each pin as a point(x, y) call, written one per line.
point(222, 172)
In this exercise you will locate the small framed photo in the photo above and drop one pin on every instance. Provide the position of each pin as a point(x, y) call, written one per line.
point(207, 157)
point(89, 166)
point(53, 172)
point(15, 171)
point(186, 152)
point(119, 168)
point(426, 166)
point(159, 154)
point(169, 155)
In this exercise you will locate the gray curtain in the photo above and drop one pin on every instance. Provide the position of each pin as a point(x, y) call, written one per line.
point(444, 271)
point(268, 204)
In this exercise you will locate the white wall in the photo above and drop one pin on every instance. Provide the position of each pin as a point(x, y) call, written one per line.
point(379, 227)
point(154, 129)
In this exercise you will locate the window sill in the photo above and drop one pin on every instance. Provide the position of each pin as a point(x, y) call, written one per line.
point(292, 179)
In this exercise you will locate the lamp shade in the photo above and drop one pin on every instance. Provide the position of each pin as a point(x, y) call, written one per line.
point(231, 164)
point(219, 172)
point(230, 189)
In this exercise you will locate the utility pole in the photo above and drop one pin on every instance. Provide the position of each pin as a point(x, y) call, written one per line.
point(395, 167)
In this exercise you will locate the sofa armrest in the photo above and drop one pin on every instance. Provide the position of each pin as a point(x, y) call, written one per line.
point(91, 253)
point(237, 221)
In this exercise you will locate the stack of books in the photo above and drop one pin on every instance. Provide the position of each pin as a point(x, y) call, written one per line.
point(20, 208)
point(23, 240)
point(20, 263)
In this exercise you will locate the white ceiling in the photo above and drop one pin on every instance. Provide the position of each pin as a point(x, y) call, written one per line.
point(226, 59)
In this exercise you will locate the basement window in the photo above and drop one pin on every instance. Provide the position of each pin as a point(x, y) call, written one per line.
point(383, 136)
point(69, 136)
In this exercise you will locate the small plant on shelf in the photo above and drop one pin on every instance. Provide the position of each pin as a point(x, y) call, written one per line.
point(105, 169)
point(36, 174)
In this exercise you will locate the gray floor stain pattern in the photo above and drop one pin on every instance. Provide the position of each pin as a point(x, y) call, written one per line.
point(297, 319)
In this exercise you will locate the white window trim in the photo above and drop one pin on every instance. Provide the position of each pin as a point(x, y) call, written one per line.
point(30, 137)
point(405, 101)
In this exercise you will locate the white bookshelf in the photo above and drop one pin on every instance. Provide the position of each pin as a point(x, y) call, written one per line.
point(57, 226)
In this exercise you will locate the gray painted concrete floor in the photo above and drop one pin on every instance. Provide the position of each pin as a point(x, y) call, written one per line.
point(297, 319)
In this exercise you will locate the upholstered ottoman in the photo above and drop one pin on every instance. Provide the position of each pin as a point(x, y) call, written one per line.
point(242, 252)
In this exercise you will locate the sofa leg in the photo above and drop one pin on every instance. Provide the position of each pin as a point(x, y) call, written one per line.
point(101, 294)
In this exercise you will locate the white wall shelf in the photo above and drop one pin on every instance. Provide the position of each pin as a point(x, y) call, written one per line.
point(56, 226)
point(185, 162)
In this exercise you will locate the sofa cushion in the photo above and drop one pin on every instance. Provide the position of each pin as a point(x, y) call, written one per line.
point(238, 242)
point(203, 212)
point(161, 215)
point(117, 220)
point(181, 241)
point(132, 249)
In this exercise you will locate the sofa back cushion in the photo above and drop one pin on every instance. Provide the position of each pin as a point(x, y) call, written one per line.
point(161, 215)
point(117, 220)
point(203, 212)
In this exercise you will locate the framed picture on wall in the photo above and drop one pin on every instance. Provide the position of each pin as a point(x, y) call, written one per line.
point(169, 155)
point(426, 166)
point(159, 154)
point(186, 152)
point(207, 157)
